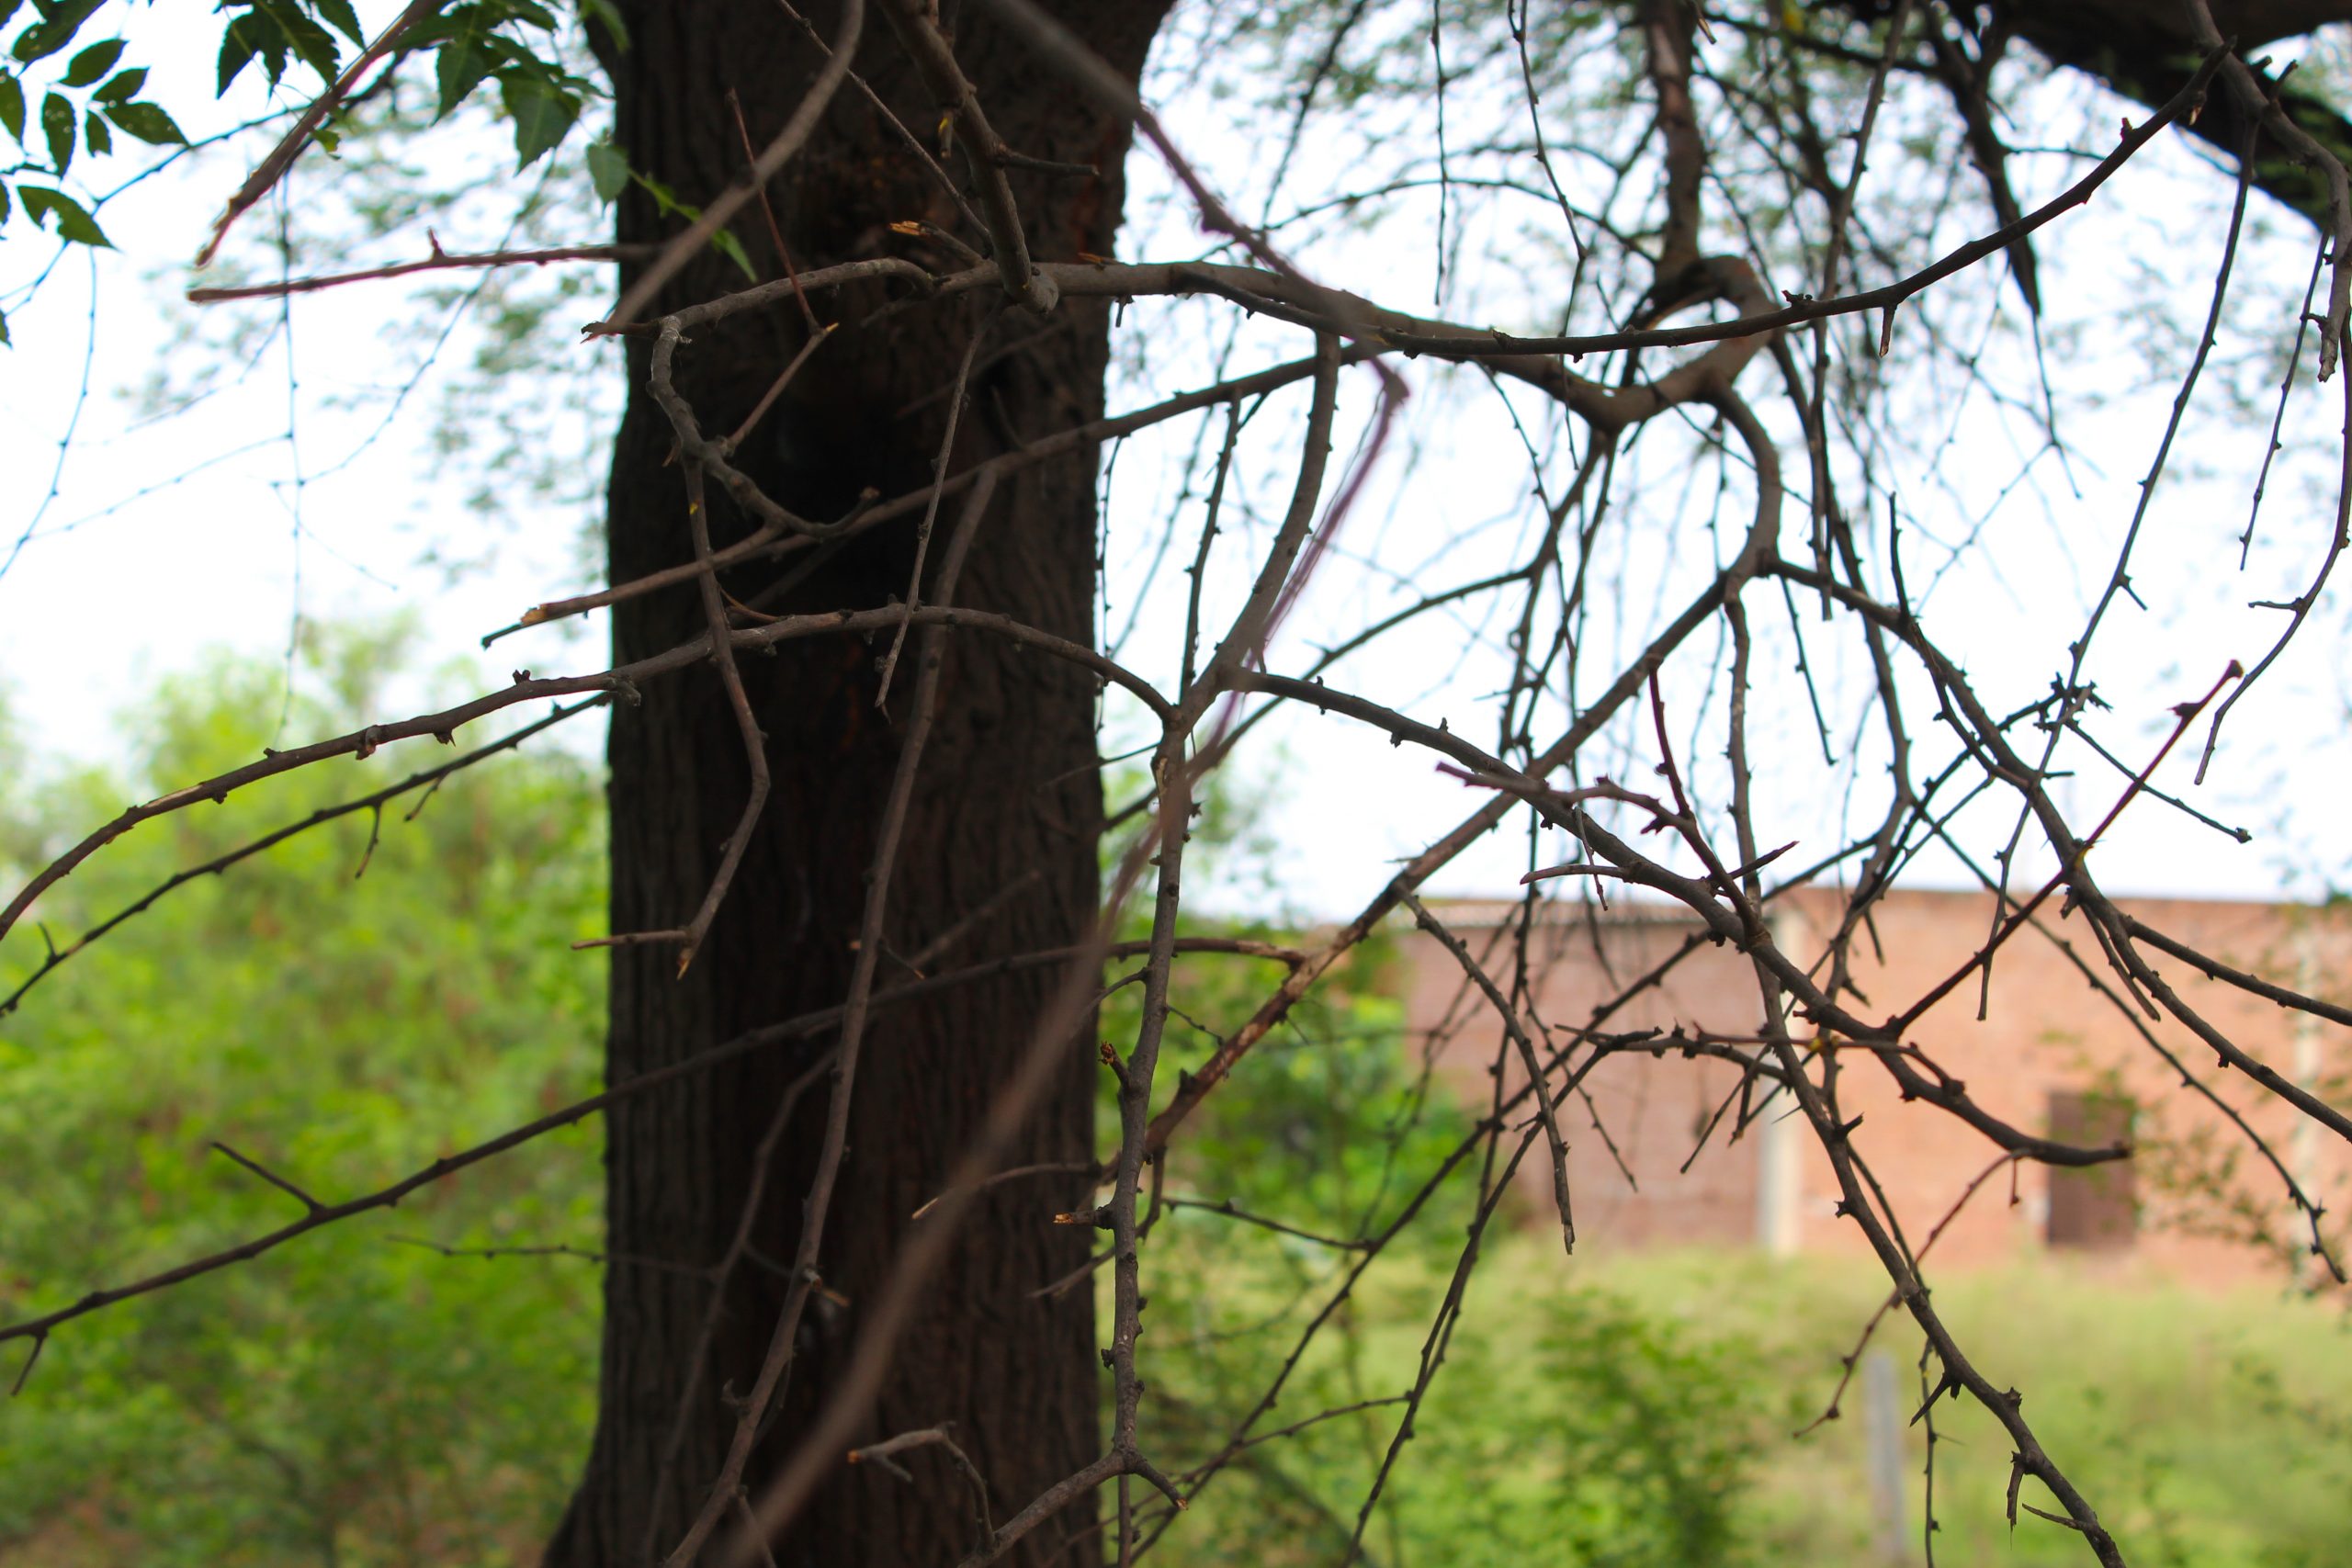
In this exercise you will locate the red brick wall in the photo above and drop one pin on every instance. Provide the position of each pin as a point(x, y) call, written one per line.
point(2047, 1033)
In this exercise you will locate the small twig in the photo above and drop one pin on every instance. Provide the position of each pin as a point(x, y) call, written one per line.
point(959, 105)
point(1050, 1168)
point(309, 1203)
point(614, 1259)
point(1547, 1111)
point(930, 511)
point(939, 1437)
point(775, 231)
point(439, 261)
point(2185, 714)
point(1231, 1211)
point(432, 778)
point(775, 387)
point(281, 157)
point(778, 152)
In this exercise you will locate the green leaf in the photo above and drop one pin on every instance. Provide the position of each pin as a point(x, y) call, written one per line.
point(542, 114)
point(125, 85)
point(725, 244)
point(311, 41)
point(95, 132)
point(148, 123)
point(4, 315)
point(532, 12)
point(74, 224)
point(8, 9)
point(93, 63)
point(664, 198)
point(607, 170)
point(4, 206)
point(248, 36)
point(728, 245)
point(462, 62)
point(12, 106)
point(54, 31)
point(605, 14)
point(57, 126)
point(342, 20)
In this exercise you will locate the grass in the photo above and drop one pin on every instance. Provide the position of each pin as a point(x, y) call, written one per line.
point(1642, 1410)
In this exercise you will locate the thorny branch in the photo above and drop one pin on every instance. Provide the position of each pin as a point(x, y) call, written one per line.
point(1607, 694)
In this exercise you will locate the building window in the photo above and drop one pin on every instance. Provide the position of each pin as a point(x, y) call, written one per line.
point(2092, 1208)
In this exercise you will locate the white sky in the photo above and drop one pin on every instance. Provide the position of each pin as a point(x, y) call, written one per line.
point(119, 585)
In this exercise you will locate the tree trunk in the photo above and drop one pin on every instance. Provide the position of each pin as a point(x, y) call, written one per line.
point(1009, 789)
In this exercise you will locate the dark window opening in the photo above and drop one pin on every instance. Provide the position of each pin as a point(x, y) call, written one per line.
point(2092, 1208)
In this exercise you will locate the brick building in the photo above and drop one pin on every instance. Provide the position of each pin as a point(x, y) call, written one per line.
point(2053, 1055)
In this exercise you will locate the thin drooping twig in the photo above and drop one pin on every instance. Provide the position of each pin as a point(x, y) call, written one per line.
point(1841, 212)
point(855, 1011)
point(1228, 1209)
point(776, 389)
point(2298, 609)
point(1440, 1336)
point(38, 1328)
point(439, 261)
point(624, 679)
point(1852, 1358)
point(940, 1438)
point(755, 747)
point(273, 168)
point(888, 1314)
point(775, 229)
point(373, 801)
point(930, 511)
point(2264, 109)
point(1546, 1111)
point(310, 1205)
point(806, 116)
point(985, 153)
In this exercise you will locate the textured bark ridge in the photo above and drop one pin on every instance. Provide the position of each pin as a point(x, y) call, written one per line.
point(1009, 790)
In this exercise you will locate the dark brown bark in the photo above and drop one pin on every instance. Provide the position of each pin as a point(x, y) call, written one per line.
point(1008, 789)
point(2146, 49)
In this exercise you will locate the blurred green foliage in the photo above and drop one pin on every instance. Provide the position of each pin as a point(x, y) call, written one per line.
point(56, 103)
point(1578, 1432)
point(353, 1398)
point(347, 1398)
point(2204, 1423)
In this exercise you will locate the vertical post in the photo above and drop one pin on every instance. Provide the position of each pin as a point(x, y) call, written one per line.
point(2303, 1145)
point(1882, 1430)
point(1780, 1166)
point(1779, 1177)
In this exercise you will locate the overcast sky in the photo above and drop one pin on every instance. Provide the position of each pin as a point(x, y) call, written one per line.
point(172, 531)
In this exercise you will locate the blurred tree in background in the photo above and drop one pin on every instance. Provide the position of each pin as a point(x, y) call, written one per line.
point(364, 1400)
